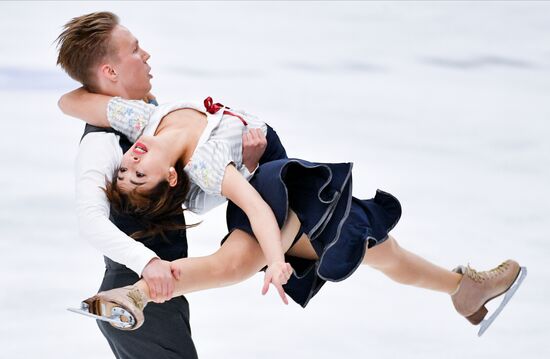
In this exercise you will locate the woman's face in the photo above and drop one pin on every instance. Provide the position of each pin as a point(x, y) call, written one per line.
point(143, 166)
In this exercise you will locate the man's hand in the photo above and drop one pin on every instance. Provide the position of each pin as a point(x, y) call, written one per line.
point(158, 275)
point(254, 144)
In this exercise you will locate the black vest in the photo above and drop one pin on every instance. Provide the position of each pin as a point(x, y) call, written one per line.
point(172, 248)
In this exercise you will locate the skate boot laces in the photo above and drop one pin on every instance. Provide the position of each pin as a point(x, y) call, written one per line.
point(137, 298)
point(479, 277)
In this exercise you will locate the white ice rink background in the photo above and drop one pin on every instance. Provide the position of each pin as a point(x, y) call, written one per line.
point(445, 105)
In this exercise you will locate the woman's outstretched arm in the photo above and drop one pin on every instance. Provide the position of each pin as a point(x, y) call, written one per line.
point(87, 106)
point(263, 222)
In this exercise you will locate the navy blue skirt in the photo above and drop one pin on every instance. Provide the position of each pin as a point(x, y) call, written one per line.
point(339, 226)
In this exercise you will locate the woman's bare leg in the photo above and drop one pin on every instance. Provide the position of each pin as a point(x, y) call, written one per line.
point(239, 258)
point(408, 268)
point(397, 263)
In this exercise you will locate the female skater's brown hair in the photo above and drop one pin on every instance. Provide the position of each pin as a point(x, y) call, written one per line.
point(154, 209)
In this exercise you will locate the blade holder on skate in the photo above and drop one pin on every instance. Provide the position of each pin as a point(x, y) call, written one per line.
point(119, 317)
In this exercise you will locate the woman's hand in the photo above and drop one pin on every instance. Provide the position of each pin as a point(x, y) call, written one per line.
point(277, 273)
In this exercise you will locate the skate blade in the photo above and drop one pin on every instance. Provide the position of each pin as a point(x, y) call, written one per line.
point(113, 320)
point(486, 323)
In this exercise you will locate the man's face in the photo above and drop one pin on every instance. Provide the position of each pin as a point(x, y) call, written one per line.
point(130, 64)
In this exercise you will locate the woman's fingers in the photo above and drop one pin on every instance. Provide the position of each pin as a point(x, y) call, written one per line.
point(267, 280)
point(279, 285)
point(280, 278)
point(278, 275)
point(282, 293)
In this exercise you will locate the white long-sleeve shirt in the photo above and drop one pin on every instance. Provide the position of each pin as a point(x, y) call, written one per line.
point(98, 156)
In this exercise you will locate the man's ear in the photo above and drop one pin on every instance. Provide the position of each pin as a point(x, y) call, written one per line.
point(108, 72)
point(172, 177)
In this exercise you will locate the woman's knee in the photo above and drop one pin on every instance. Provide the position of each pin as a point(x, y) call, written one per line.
point(238, 258)
point(228, 269)
point(384, 255)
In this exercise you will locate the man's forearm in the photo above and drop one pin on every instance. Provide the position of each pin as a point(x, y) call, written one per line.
point(96, 159)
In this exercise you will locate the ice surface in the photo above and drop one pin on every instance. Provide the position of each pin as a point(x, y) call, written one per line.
point(445, 105)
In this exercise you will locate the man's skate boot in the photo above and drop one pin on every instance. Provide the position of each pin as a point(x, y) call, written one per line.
point(477, 288)
point(122, 307)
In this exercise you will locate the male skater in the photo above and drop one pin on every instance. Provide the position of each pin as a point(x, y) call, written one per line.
point(106, 58)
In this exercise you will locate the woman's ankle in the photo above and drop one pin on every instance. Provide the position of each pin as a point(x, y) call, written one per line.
point(457, 278)
point(144, 288)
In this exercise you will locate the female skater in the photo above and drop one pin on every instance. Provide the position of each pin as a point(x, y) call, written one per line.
point(324, 230)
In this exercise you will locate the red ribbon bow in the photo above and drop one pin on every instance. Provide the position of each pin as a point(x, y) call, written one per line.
point(212, 108)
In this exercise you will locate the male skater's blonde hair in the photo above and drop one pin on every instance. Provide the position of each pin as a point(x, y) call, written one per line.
point(84, 43)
